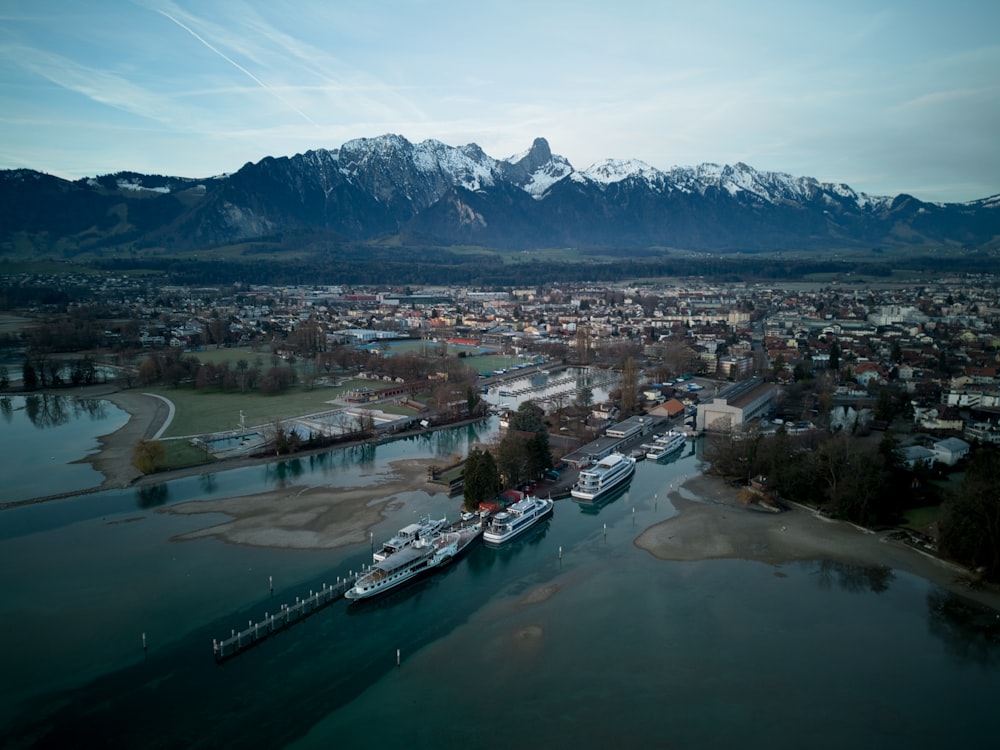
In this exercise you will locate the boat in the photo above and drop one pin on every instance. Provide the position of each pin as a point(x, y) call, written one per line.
point(422, 556)
point(603, 477)
point(516, 519)
point(407, 535)
point(664, 445)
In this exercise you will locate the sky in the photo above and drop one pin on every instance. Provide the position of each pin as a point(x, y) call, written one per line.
point(888, 97)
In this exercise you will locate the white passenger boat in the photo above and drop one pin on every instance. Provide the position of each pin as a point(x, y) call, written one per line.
point(422, 556)
point(406, 536)
point(516, 519)
point(603, 477)
point(664, 445)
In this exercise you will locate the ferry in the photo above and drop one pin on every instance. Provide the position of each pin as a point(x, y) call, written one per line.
point(422, 556)
point(603, 477)
point(407, 535)
point(665, 445)
point(516, 519)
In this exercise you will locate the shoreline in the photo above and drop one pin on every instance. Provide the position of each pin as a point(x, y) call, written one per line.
point(711, 524)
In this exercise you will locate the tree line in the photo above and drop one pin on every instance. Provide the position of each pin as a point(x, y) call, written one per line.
point(839, 474)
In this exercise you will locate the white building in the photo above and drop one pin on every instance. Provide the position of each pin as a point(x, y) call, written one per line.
point(736, 406)
point(950, 450)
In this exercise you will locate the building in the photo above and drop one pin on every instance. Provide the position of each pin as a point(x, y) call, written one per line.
point(736, 406)
point(950, 451)
point(629, 428)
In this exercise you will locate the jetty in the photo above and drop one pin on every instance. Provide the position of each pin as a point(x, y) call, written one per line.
point(286, 616)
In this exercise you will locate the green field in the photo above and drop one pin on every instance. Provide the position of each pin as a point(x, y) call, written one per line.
point(206, 411)
point(179, 454)
point(201, 412)
point(919, 519)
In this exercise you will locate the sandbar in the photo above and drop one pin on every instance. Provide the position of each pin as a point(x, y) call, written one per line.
point(712, 523)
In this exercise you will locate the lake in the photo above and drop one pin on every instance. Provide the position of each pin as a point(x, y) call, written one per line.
point(571, 636)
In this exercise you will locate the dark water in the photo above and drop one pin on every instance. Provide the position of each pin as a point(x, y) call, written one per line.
point(601, 646)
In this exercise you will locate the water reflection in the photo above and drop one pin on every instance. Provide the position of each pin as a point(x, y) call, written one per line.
point(6, 408)
point(971, 633)
point(282, 473)
point(153, 495)
point(209, 483)
point(503, 553)
point(854, 578)
point(594, 507)
point(46, 410)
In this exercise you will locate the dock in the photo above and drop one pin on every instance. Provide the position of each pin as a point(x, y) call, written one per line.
point(286, 616)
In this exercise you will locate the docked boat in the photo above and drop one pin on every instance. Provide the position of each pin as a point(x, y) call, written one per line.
point(603, 477)
point(422, 556)
point(664, 445)
point(408, 535)
point(516, 519)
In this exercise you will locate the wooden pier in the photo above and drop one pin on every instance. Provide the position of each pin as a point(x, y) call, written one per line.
point(286, 616)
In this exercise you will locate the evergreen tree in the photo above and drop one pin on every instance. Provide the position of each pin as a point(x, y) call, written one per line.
point(481, 478)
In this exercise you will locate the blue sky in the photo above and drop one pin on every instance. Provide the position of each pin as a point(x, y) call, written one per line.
point(888, 97)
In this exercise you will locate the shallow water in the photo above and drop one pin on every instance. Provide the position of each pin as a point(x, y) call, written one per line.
point(569, 636)
point(43, 439)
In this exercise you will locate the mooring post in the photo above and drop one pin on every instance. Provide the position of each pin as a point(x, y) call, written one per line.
point(397, 657)
point(270, 584)
point(605, 532)
point(144, 641)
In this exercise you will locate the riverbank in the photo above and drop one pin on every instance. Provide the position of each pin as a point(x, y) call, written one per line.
point(712, 524)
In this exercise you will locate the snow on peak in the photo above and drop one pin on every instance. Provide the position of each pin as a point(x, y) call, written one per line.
point(610, 171)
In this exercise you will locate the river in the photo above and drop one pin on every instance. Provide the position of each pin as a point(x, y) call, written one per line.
point(571, 636)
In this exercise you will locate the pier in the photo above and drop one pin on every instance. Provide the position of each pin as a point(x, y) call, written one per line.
point(286, 616)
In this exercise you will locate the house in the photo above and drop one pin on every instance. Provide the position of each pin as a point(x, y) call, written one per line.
point(916, 455)
point(950, 450)
point(671, 408)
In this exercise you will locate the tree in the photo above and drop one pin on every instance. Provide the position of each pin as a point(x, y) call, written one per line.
point(583, 344)
point(529, 417)
point(524, 452)
point(29, 378)
point(148, 455)
point(481, 478)
point(630, 388)
point(970, 524)
point(834, 356)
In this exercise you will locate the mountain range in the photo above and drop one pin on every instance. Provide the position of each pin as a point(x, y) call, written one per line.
point(388, 191)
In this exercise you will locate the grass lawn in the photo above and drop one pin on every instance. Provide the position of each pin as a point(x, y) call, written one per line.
point(181, 453)
point(919, 519)
point(200, 412)
point(233, 355)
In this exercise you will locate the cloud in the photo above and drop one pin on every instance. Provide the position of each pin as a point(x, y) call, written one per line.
point(243, 70)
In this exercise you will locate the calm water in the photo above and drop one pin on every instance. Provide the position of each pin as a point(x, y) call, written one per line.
point(41, 438)
point(622, 649)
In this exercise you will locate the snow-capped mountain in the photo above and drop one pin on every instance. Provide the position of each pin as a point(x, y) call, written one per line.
point(387, 189)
